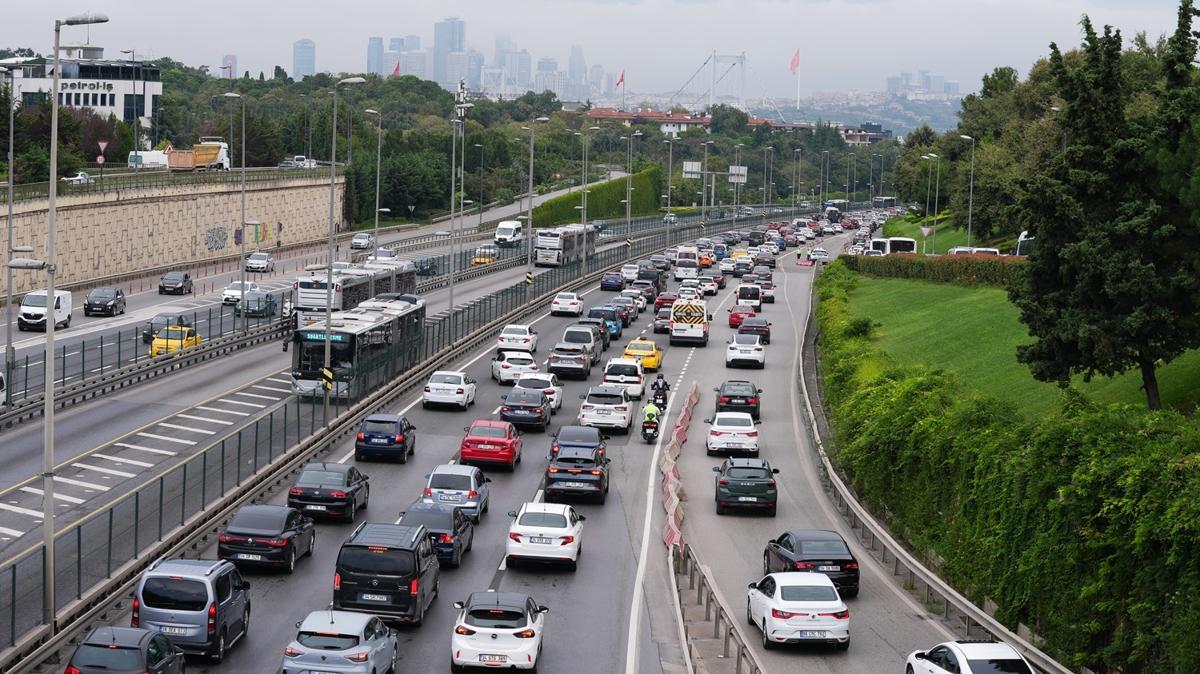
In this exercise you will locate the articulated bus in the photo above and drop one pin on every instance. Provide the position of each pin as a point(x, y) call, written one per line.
point(563, 245)
point(894, 244)
point(367, 348)
point(351, 285)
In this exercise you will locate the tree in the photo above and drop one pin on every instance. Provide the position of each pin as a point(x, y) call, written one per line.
point(1000, 81)
point(727, 120)
point(280, 74)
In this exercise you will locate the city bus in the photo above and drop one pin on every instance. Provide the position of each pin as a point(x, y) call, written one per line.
point(1024, 243)
point(367, 348)
point(884, 202)
point(563, 245)
point(894, 244)
point(352, 284)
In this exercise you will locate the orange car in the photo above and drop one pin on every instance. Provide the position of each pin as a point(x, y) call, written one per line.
point(706, 259)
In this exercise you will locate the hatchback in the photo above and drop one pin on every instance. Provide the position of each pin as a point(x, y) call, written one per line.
point(497, 629)
point(365, 643)
point(125, 650)
point(175, 283)
point(576, 472)
point(508, 366)
point(267, 535)
point(451, 531)
point(526, 407)
point(385, 436)
point(459, 485)
point(110, 301)
point(662, 321)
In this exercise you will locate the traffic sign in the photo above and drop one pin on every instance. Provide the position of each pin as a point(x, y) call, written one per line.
point(737, 174)
point(528, 278)
point(327, 378)
point(691, 169)
point(103, 145)
point(100, 159)
point(926, 231)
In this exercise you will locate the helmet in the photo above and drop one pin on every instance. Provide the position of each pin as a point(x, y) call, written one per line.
point(659, 376)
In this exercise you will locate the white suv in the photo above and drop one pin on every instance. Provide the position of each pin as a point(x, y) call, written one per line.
point(968, 657)
point(745, 349)
point(606, 407)
point(628, 374)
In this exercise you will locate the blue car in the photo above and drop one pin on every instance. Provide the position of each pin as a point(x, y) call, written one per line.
point(612, 281)
point(719, 252)
point(612, 320)
point(451, 531)
point(385, 436)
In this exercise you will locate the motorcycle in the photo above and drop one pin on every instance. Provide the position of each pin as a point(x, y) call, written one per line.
point(649, 431)
point(659, 398)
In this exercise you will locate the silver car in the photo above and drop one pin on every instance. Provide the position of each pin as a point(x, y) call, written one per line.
point(463, 486)
point(340, 641)
point(260, 262)
point(362, 240)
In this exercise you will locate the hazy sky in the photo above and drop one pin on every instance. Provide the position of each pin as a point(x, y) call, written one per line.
point(844, 44)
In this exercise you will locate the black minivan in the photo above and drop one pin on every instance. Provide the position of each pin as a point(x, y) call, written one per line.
point(389, 570)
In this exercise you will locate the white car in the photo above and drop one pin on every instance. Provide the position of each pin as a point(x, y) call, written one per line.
point(449, 387)
point(517, 338)
point(818, 254)
point(606, 407)
point(726, 266)
point(508, 366)
point(233, 292)
point(708, 285)
point(362, 240)
point(690, 294)
point(629, 272)
point(497, 630)
point(959, 656)
point(260, 262)
point(731, 432)
point(566, 304)
point(745, 349)
point(547, 383)
point(544, 531)
point(626, 373)
point(638, 297)
point(868, 253)
point(798, 607)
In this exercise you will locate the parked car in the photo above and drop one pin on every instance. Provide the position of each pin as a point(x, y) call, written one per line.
point(330, 490)
point(125, 650)
point(110, 301)
point(267, 535)
point(544, 532)
point(385, 436)
point(386, 570)
point(451, 530)
point(798, 607)
point(362, 641)
point(816, 550)
point(745, 483)
point(201, 605)
point(175, 283)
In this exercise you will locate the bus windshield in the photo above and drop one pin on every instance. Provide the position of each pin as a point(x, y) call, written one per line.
point(311, 355)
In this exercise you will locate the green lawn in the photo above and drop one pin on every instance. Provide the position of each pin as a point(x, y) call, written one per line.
point(944, 237)
point(975, 332)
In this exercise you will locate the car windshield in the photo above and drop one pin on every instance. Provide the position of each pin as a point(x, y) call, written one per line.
point(314, 478)
point(576, 458)
point(534, 382)
point(514, 330)
point(34, 301)
point(639, 346)
point(523, 396)
point(729, 421)
point(106, 657)
point(259, 256)
point(748, 293)
point(496, 618)
point(821, 548)
point(999, 666)
point(487, 432)
point(604, 399)
point(173, 276)
point(622, 369)
point(173, 333)
point(174, 594)
point(579, 434)
point(375, 560)
point(664, 313)
point(745, 340)
point(446, 379)
point(549, 520)
point(566, 297)
point(433, 519)
point(102, 293)
point(384, 427)
point(607, 314)
point(807, 593)
point(519, 360)
point(237, 285)
point(577, 337)
point(362, 237)
point(324, 641)
point(258, 520)
point(743, 473)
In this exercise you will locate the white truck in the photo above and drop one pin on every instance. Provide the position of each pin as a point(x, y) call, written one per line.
point(689, 322)
point(147, 159)
point(33, 310)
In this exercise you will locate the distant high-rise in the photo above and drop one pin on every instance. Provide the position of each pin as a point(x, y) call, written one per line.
point(229, 64)
point(547, 65)
point(894, 85)
point(406, 43)
point(396, 44)
point(474, 70)
point(304, 58)
point(449, 35)
point(456, 69)
point(937, 84)
point(415, 63)
point(504, 44)
point(576, 73)
point(375, 55)
point(610, 86)
point(595, 80)
point(951, 88)
point(517, 66)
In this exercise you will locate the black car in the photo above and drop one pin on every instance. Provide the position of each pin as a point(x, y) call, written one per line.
point(267, 535)
point(526, 407)
point(577, 472)
point(125, 650)
point(160, 321)
point(389, 570)
point(451, 531)
point(649, 290)
point(765, 258)
point(330, 489)
point(816, 550)
point(104, 301)
point(740, 269)
point(756, 325)
point(585, 437)
point(175, 283)
point(662, 320)
point(257, 304)
point(661, 262)
point(716, 276)
point(385, 436)
point(612, 281)
point(735, 395)
point(599, 326)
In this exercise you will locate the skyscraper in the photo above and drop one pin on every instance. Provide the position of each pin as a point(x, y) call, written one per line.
point(229, 63)
point(456, 68)
point(504, 44)
point(412, 43)
point(517, 66)
point(304, 58)
point(595, 80)
point(414, 63)
point(449, 35)
point(576, 74)
point(547, 65)
point(474, 70)
point(375, 55)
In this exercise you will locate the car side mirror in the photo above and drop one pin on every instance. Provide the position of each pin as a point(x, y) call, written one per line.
point(543, 609)
point(605, 437)
point(487, 479)
point(582, 396)
point(921, 655)
point(716, 469)
point(774, 471)
point(752, 586)
point(708, 421)
point(459, 605)
point(718, 390)
point(298, 624)
point(465, 428)
point(769, 324)
point(582, 518)
point(245, 585)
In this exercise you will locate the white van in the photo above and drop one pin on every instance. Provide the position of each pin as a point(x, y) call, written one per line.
point(33, 310)
point(509, 234)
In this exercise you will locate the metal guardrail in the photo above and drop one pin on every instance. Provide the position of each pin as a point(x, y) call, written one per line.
point(725, 626)
point(935, 589)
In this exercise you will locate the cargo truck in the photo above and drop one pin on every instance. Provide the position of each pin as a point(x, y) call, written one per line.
point(207, 155)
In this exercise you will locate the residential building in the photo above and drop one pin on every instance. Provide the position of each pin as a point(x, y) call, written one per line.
point(449, 35)
point(375, 55)
point(304, 58)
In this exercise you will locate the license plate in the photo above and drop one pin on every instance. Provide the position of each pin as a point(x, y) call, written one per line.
point(604, 413)
point(541, 540)
point(379, 441)
point(738, 401)
point(829, 568)
point(812, 634)
point(315, 507)
point(746, 352)
point(249, 557)
point(373, 597)
point(448, 497)
point(573, 485)
point(488, 447)
point(493, 658)
point(313, 671)
point(747, 498)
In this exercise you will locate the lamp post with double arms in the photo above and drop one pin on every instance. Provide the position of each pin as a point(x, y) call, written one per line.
point(231, 96)
point(971, 192)
point(529, 237)
point(8, 350)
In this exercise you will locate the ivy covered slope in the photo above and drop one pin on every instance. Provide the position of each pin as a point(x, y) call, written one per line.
point(1083, 524)
point(604, 200)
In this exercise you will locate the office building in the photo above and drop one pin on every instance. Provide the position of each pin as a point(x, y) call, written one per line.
point(406, 43)
point(595, 80)
point(415, 63)
point(951, 88)
point(504, 44)
point(517, 67)
point(547, 65)
point(576, 74)
point(456, 69)
point(304, 58)
point(449, 35)
point(474, 70)
point(375, 55)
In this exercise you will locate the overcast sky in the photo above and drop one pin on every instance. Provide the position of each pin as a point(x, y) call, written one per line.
point(844, 44)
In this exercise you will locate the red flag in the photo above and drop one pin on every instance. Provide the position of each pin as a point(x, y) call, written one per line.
point(795, 61)
point(396, 70)
point(620, 80)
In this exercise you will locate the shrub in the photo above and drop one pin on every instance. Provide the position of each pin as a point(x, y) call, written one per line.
point(995, 270)
point(604, 200)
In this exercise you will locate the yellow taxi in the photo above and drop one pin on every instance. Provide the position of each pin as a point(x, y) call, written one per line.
point(174, 338)
point(646, 351)
point(739, 252)
point(485, 255)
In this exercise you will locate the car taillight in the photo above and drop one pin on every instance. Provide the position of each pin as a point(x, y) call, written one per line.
point(525, 634)
point(804, 566)
point(723, 482)
point(548, 391)
point(472, 494)
point(533, 367)
point(770, 483)
point(596, 471)
point(723, 399)
point(414, 587)
point(337, 580)
point(338, 493)
point(212, 618)
point(717, 434)
point(505, 408)
point(460, 391)
point(276, 542)
point(135, 618)
point(504, 366)
point(296, 491)
point(445, 538)
point(585, 406)
point(427, 492)
point(358, 657)
point(466, 631)
point(292, 652)
point(752, 401)
point(537, 410)
point(514, 536)
point(752, 434)
point(70, 670)
point(427, 389)
point(850, 565)
point(838, 615)
point(361, 435)
point(524, 340)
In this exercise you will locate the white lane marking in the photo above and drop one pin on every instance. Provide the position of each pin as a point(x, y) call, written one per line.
point(114, 459)
point(103, 471)
point(140, 448)
point(11, 532)
point(277, 380)
point(541, 494)
point(272, 388)
point(255, 395)
point(217, 409)
point(497, 410)
point(166, 438)
point(20, 511)
point(187, 428)
point(238, 402)
point(60, 497)
point(205, 419)
point(80, 483)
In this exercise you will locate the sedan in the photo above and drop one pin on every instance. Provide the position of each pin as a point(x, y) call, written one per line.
point(612, 280)
point(449, 387)
point(717, 278)
point(662, 321)
point(646, 351)
point(639, 298)
point(735, 395)
point(548, 384)
point(451, 530)
point(175, 283)
point(361, 642)
point(267, 535)
point(738, 314)
point(174, 338)
point(566, 304)
point(257, 304)
point(745, 483)
point(385, 436)
point(575, 472)
point(363, 241)
point(125, 650)
point(526, 407)
point(798, 607)
point(233, 292)
point(332, 489)
point(818, 254)
point(816, 550)
point(508, 366)
point(756, 325)
point(708, 285)
point(544, 532)
point(497, 629)
point(665, 300)
point(490, 441)
point(517, 338)
point(730, 433)
point(968, 657)
point(260, 262)
point(102, 301)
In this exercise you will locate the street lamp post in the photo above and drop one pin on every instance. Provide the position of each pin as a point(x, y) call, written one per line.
point(767, 176)
point(670, 170)
point(737, 161)
point(480, 146)
point(232, 96)
point(704, 187)
point(937, 181)
point(971, 191)
point(586, 141)
point(8, 350)
point(529, 213)
point(629, 180)
point(378, 168)
point(928, 186)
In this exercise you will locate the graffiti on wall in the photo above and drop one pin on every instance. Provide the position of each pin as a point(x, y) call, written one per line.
point(216, 238)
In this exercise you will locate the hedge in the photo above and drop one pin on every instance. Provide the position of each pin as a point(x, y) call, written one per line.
point(997, 270)
point(1083, 524)
point(604, 200)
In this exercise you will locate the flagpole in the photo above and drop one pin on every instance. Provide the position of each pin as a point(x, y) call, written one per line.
point(797, 89)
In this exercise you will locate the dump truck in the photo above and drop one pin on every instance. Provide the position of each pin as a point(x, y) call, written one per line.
point(207, 155)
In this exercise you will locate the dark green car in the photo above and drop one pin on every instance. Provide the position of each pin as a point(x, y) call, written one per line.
point(258, 304)
point(746, 483)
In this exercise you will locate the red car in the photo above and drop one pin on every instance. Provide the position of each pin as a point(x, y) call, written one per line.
point(665, 300)
point(736, 315)
point(490, 441)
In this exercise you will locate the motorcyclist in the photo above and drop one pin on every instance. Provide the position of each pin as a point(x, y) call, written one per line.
point(650, 413)
point(660, 384)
